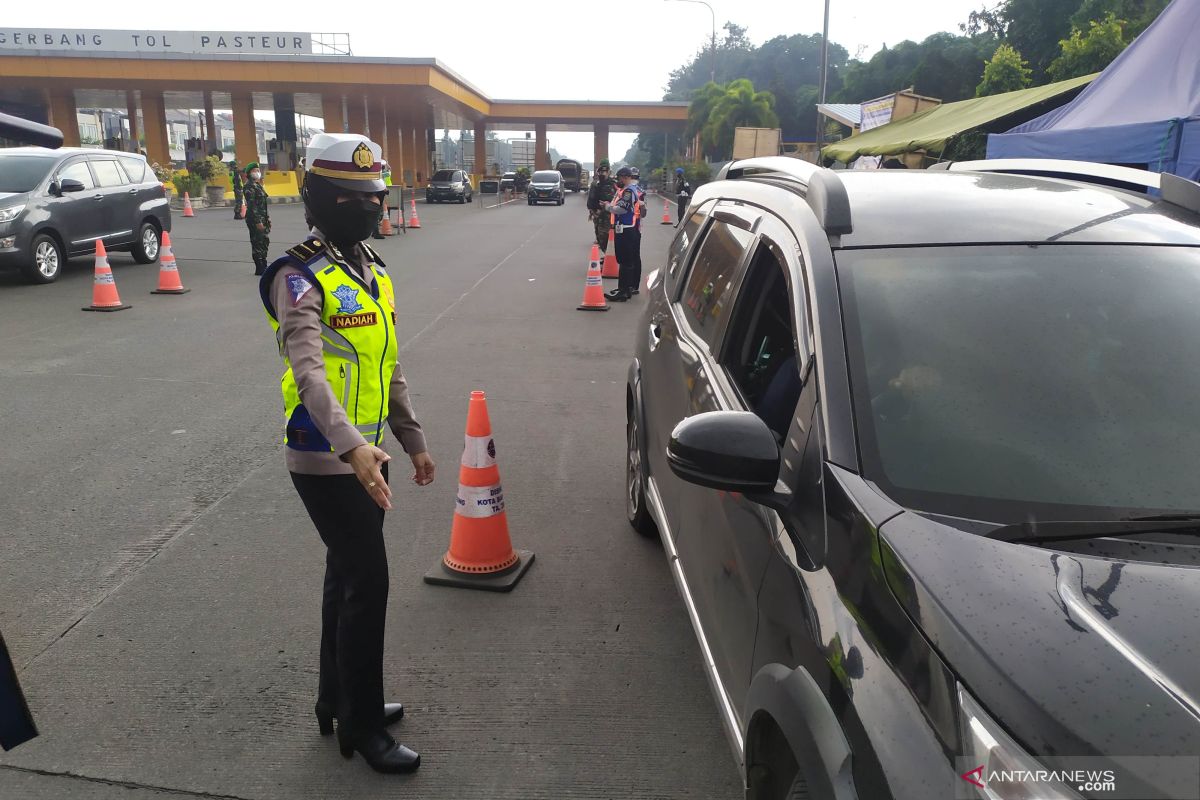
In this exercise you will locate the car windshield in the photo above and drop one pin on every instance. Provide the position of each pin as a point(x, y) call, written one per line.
point(1017, 383)
point(23, 173)
point(443, 175)
point(545, 177)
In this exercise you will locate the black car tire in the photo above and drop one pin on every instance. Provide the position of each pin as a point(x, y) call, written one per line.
point(462, 199)
point(46, 260)
point(146, 248)
point(531, 202)
point(636, 510)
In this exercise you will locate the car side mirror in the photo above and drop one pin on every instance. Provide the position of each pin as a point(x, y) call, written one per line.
point(729, 450)
point(68, 185)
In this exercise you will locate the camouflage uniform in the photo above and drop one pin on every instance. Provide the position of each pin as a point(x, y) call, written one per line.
point(256, 213)
point(601, 191)
point(237, 190)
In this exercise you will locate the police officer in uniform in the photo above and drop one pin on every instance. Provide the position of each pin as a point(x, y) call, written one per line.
point(332, 307)
point(258, 220)
point(602, 190)
point(683, 194)
point(627, 209)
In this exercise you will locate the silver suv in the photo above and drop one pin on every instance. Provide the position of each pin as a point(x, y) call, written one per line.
point(55, 204)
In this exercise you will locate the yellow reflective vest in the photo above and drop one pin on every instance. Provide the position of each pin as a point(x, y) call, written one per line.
point(358, 340)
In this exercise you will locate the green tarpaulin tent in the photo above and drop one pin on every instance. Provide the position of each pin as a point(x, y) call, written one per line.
point(931, 130)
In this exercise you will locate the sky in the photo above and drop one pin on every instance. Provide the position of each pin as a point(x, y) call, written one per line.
point(530, 49)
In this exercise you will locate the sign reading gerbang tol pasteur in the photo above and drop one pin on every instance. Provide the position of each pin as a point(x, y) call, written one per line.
point(183, 42)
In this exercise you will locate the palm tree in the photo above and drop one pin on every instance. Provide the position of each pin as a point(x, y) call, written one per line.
point(740, 106)
point(703, 101)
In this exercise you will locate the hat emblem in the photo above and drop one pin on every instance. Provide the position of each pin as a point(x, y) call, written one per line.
point(362, 157)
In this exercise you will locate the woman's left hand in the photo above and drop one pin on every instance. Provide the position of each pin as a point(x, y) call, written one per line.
point(424, 469)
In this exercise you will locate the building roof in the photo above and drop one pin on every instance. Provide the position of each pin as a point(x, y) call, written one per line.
point(849, 114)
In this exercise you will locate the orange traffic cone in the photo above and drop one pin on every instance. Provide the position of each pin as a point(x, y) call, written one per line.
point(104, 285)
point(168, 271)
point(187, 206)
point(385, 226)
point(413, 221)
point(593, 289)
point(666, 220)
point(611, 268)
point(481, 555)
point(245, 210)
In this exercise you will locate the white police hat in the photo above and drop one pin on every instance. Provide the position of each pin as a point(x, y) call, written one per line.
point(347, 160)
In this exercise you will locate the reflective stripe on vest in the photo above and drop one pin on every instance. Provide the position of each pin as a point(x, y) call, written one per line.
point(358, 343)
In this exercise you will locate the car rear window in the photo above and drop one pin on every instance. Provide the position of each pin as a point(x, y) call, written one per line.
point(23, 173)
point(108, 173)
point(135, 168)
point(709, 285)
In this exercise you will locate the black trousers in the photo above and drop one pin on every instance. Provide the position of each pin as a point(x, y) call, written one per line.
point(354, 605)
point(629, 258)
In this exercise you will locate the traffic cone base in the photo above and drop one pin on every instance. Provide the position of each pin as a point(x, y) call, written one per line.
point(481, 555)
point(443, 575)
point(104, 285)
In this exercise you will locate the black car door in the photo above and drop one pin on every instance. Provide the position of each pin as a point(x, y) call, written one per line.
point(664, 394)
point(78, 216)
point(120, 200)
point(724, 540)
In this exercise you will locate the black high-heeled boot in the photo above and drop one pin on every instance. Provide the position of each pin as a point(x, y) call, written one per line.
point(381, 752)
point(392, 713)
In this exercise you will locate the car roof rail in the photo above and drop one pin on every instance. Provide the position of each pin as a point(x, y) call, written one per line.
point(1173, 189)
point(824, 190)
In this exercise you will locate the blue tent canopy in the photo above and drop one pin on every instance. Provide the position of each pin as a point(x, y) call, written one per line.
point(1144, 109)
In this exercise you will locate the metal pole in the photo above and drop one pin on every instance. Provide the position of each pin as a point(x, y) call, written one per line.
point(824, 79)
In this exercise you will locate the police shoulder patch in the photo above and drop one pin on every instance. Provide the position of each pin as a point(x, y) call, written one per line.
point(298, 286)
point(306, 252)
point(371, 254)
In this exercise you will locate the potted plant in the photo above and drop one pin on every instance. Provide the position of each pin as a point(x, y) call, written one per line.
point(217, 181)
point(187, 182)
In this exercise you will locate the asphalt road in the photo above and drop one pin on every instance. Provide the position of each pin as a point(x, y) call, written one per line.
point(160, 582)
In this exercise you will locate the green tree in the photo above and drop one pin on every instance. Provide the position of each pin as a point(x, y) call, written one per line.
point(741, 106)
point(1137, 13)
point(1083, 54)
point(703, 101)
point(1005, 72)
point(1034, 29)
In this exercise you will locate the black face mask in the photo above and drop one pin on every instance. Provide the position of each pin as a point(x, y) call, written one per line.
point(348, 223)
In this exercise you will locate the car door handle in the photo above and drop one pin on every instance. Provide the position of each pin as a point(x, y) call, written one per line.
point(655, 335)
point(133, 191)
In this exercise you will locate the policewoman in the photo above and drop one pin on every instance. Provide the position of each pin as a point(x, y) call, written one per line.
point(333, 310)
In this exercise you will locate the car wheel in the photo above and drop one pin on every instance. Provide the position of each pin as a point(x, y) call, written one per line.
point(47, 260)
point(462, 199)
point(145, 249)
point(636, 510)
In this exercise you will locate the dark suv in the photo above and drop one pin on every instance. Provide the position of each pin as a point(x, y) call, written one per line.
point(55, 204)
point(449, 185)
point(921, 449)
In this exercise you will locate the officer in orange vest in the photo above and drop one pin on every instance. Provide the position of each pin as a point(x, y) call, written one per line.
point(626, 209)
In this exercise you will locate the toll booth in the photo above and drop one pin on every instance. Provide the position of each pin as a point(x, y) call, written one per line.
point(281, 156)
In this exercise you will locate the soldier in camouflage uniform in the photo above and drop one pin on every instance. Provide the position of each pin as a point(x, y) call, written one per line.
point(236, 172)
point(257, 218)
point(602, 191)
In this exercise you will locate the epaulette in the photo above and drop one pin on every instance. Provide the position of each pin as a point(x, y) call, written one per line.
point(372, 254)
point(308, 251)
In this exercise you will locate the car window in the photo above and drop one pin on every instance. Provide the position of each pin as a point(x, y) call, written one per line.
point(677, 255)
point(442, 175)
point(707, 292)
point(108, 173)
point(135, 168)
point(759, 351)
point(77, 171)
point(20, 173)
